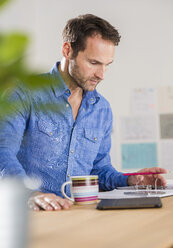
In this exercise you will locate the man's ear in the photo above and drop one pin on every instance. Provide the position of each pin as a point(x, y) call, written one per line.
point(67, 50)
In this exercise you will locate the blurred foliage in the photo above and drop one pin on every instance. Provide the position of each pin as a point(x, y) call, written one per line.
point(13, 67)
point(3, 2)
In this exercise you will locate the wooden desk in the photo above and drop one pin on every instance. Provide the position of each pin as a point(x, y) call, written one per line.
point(86, 227)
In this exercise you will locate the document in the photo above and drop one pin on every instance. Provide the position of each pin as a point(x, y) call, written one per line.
point(165, 99)
point(143, 101)
point(130, 192)
point(138, 127)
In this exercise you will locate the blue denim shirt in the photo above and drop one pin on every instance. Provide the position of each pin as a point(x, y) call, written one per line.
point(51, 145)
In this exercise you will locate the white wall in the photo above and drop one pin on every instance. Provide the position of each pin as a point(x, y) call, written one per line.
point(144, 57)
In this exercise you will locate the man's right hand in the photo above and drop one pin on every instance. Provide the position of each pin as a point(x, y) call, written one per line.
point(49, 202)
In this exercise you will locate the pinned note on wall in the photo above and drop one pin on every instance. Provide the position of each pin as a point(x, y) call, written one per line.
point(139, 155)
point(143, 101)
point(166, 126)
point(165, 100)
point(138, 127)
point(167, 154)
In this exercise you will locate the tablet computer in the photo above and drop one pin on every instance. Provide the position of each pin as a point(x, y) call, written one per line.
point(127, 203)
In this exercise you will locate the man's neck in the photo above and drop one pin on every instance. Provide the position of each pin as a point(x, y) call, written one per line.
point(75, 98)
point(73, 87)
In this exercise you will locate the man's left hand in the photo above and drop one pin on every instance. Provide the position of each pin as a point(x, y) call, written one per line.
point(148, 179)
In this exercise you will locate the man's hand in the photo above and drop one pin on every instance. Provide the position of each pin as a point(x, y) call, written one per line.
point(148, 179)
point(49, 202)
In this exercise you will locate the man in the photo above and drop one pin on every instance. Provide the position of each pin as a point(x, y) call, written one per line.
point(76, 139)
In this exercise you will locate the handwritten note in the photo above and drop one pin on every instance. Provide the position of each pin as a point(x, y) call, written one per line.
point(143, 100)
point(138, 127)
point(165, 99)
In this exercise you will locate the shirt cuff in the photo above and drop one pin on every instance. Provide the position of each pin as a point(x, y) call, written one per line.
point(120, 180)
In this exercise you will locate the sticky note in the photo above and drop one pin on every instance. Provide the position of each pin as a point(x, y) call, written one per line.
point(138, 127)
point(165, 100)
point(143, 100)
point(166, 126)
point(139, 155)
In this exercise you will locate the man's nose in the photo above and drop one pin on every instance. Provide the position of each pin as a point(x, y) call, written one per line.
point(100, 72)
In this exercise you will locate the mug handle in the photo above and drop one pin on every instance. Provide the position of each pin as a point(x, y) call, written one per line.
point(64, 194)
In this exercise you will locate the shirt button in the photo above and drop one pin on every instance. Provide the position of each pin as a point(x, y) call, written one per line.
point(71, 151)
point(67, 91)
point(95, 138)
point(83, 109)
point(50, 133)
point(67, 105)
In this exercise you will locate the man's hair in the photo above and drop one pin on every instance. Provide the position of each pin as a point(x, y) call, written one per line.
point(77, 30)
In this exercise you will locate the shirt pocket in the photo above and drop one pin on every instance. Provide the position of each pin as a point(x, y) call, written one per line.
point(53, 133)
point(92, 135)
point(88, 143)
point(51, 140)
point(47, 128)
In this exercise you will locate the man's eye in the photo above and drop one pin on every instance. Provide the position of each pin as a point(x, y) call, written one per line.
point(93, 62)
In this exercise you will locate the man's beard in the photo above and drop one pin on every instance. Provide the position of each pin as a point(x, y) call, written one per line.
point(79, 79)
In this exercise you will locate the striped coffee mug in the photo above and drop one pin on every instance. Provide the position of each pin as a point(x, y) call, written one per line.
point(84, 189)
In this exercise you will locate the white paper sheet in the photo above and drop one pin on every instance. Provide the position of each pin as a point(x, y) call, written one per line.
point(167, 155)
point(122, 194)
point(165, 99)
point(143, 101)
point(138, 127)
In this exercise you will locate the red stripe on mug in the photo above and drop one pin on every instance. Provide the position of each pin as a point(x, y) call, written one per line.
point(82, 199)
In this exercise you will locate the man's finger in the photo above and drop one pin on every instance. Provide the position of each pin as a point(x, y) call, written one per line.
point(43, 204)
point(159, 170)
point(69, 203)
point(140, 179)
point(55, 204)
point(65, 204)
point(161, 181)
point(32, 205)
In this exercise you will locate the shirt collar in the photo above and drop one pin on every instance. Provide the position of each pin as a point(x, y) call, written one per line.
point(92, 97)
point(60, 87)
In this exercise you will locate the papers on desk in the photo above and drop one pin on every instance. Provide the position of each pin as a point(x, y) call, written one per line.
point(131, 192)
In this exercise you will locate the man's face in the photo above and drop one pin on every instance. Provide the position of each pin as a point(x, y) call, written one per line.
point(87, 69)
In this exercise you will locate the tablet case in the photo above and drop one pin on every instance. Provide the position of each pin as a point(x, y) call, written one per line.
point(142, 202)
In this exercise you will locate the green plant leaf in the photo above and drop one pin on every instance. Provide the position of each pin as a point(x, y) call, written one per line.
point(12, 47)
point(3, 2)
point(13, 70)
